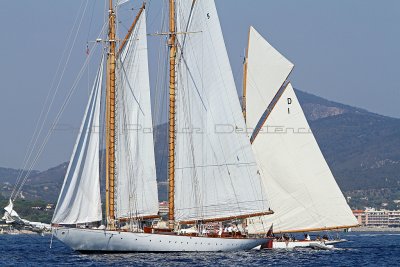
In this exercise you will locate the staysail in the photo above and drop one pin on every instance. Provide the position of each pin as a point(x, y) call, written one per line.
point(216, 175)
point(136, 186)
point(300, 186)
point(79, 200)
point(266, 72)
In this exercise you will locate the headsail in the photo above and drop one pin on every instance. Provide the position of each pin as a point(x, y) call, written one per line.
point(300, 185)
point(267, 70)
point(79, 200)
point(216, 174)
point(136, 191)
point(10, 215)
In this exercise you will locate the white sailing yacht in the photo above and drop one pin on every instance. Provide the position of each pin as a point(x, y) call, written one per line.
point(212, 171)
point(300, 186)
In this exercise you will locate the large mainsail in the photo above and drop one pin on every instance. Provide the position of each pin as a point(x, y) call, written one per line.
point(215, 173)
point(136, 191)
point(266, 72)
point(300, 185)
point(79, 200)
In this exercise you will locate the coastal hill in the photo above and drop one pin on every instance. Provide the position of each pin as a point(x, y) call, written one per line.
point(362, 149)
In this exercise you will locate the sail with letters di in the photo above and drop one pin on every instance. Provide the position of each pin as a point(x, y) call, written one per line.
point(300, 186)
point(79, 200)
point(136, 190)
point(265, 70)
point(216, 175)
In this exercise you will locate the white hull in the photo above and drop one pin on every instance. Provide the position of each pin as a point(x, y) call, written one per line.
point(300, 243)
point(322, 246)
point(291, 244)
point(87, 240)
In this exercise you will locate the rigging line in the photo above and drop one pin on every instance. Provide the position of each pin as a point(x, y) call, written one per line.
point(57, 118)
point(219, 165)
point(151, 23)
point(198, 197)
point(161, 67)
point(90, 22)
point(32, 144)
point(230, 107)
point(122, 136)
point(87, 131)
point(41, 148)
point(129, 85)
point(161, 95)
point(87, 43)
point(221, 207)
point(191, 75)
point(187, 113)
point(30, 148)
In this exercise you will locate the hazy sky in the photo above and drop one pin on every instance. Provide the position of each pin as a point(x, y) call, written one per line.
point(343, 50)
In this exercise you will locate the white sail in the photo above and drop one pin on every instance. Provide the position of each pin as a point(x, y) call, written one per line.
point(10, 215)
point(136, 186)
point(215, 173)
point(300, 186)
point(267, 70)
point(79, 200)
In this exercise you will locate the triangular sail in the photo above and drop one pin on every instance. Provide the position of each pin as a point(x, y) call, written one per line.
point(301, 188)
point(10, 215)
point(136, 186)
point(216, 174)
point(267, 70)
point(79, 201)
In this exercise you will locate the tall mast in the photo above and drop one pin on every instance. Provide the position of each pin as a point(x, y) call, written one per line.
point(171, 135)
point(110, 121)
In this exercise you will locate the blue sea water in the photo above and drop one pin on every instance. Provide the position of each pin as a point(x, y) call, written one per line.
point(363, 249)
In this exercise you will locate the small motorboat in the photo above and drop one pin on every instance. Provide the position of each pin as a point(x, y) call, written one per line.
point(321, 246)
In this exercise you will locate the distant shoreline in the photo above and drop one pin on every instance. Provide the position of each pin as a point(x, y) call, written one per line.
point(375, 229)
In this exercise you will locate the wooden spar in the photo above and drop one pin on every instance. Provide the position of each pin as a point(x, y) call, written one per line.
point(110, 122)
point(171, 132)
point(128, 34)
point(140, 218)
point(245, 78)
point(229, 218)
point(269, 110)
point(315, 229)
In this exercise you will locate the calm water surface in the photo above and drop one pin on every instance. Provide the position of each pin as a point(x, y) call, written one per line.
point(363, 249)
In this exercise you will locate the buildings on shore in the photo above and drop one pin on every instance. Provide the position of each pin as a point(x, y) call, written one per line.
point(378, 218)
